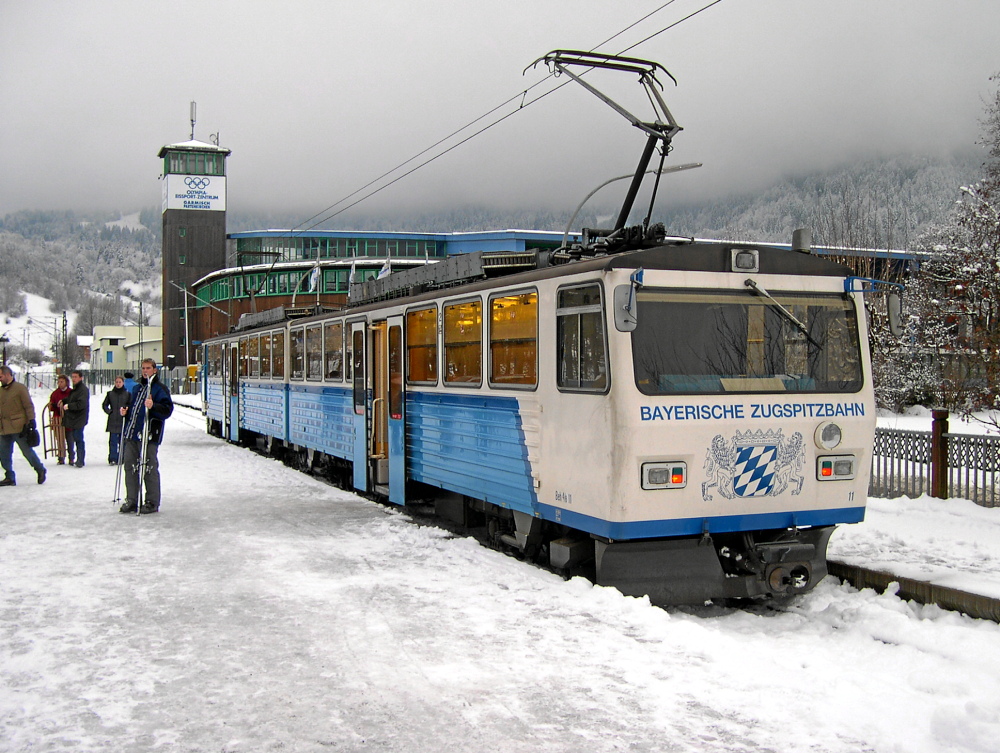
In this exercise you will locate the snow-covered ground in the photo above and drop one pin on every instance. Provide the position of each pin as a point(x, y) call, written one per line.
point(264, 610)
point(127, 222)
point(918, 418)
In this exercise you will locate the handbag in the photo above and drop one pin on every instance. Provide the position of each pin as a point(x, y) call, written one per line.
point(33, 437)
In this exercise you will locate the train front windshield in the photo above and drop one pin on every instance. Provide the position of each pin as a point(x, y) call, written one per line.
point(704, 342)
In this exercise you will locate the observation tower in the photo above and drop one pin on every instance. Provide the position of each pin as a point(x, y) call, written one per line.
point(194, 234)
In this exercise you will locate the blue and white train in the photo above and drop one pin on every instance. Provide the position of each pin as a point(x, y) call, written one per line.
point(688, 419)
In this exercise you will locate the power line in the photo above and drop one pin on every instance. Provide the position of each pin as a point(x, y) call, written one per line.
point(324, 217)
point(668, 28)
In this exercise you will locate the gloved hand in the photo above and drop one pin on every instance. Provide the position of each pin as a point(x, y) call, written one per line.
point(31, 424)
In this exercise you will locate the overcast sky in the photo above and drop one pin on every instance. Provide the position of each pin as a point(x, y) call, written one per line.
point(315, 98)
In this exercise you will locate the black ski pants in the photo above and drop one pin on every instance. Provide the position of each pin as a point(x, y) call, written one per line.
point(130, 467)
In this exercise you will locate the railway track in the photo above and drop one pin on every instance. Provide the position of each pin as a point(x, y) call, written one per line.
point(922, 592)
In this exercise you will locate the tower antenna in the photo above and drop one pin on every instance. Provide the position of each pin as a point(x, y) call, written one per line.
point(194, 111)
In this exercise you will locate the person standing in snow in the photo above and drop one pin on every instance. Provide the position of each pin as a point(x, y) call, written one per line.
point(61, 392)
point(17, 415)
point(76, 414)
point(129, 381)
point(149, 399)
point(114, 401)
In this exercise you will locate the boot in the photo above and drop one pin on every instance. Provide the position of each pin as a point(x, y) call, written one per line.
point(8, 481)
point(128, 507)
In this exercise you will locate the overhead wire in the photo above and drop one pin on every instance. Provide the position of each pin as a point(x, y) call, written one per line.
point(324, 217)
point(522, 94)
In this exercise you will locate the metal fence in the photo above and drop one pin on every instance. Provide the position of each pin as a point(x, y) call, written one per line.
point(973, 468)
point(903, 464)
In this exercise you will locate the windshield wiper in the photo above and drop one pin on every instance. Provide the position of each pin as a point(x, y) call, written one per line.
point(782, 310)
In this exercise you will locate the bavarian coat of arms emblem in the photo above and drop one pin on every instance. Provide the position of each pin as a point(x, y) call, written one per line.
point(754, 464)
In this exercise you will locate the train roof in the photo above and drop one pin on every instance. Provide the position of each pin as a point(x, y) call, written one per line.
point(485, 270)
point(482, 268)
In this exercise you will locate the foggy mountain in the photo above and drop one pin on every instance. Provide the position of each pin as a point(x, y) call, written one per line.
point(64, 256)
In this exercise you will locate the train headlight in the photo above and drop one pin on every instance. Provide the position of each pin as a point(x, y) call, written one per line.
point(669, 475)
point(745, 260)
point(828, 436)
point(836, 467)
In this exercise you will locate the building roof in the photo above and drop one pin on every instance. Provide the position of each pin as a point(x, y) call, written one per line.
point(193, 146)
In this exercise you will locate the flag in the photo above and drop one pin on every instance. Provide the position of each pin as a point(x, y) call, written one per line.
point(386, 270)
point(352, 277)
point(314, 279)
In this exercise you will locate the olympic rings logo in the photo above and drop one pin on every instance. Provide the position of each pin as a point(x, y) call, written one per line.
point(197, 184)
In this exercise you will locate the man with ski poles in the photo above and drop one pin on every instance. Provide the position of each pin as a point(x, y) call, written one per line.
point(141, 441)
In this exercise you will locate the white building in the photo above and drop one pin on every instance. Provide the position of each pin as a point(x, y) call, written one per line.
point(118, 348)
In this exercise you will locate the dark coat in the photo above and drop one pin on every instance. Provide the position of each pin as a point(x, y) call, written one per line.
point(163, 406)
point(114, 401)
point(77, 407)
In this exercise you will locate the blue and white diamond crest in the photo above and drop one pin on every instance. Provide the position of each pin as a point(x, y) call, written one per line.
point(754, 464)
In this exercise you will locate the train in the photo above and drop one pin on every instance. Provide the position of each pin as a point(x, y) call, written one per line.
point(692, 418)
point(680, 419)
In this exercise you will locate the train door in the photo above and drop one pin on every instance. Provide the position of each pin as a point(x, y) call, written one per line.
point(396, 413)
point(232, 401)
point(224, 372)
point(378, 424)
point(359, 373)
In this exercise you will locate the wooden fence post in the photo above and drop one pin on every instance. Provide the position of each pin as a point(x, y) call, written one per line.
point(939, 454)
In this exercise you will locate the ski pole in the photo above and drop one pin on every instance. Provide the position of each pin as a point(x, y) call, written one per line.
point(121, 455)
point(144, 440)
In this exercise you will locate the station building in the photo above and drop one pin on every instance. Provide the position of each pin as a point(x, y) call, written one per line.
point(302, 272)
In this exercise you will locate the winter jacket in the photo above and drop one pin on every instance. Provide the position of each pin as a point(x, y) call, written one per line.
point(114, 401)
point(163, 406)
point(77, 407)
point(16, 408)
point(54, 399)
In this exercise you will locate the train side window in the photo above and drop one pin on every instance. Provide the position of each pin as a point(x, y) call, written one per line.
point(244, 370)
point(581, 341)
point(297, 353)
point(396, 371)
point(463, 344)
point(253, 354)
point(278, 356)
point(421, 346)
point(314, 352)
point(514, 340)
point(348, 359)
point(265, 356)
point(358, 349)
point(334, 351)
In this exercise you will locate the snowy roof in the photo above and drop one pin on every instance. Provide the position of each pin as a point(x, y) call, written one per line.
point(195, 146)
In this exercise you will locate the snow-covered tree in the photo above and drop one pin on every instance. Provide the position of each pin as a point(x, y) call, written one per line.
point(956, 297)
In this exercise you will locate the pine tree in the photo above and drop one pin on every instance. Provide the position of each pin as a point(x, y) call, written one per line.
point(956, 298)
